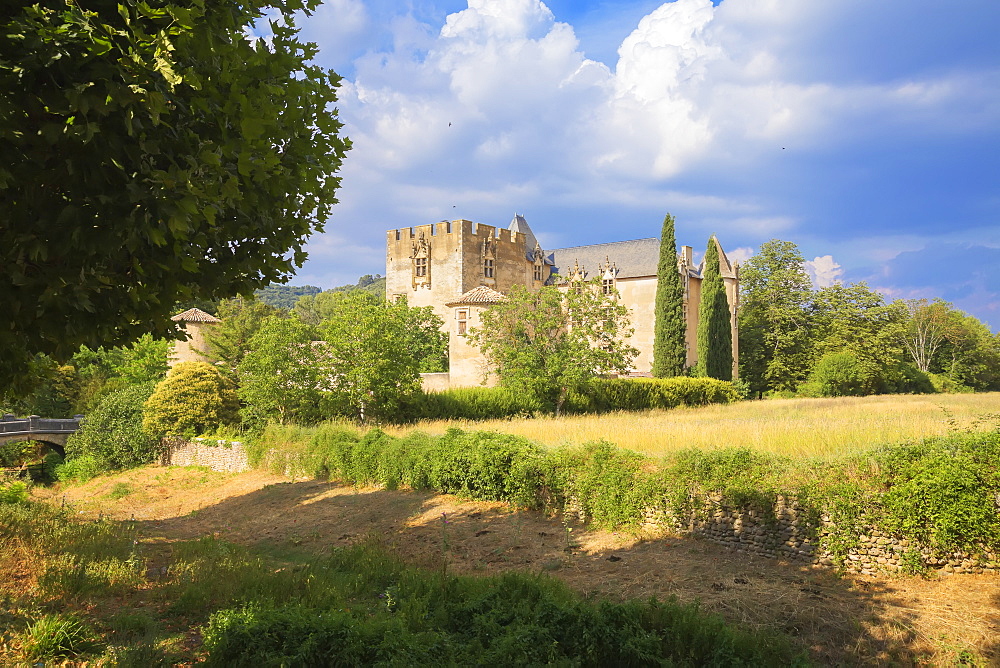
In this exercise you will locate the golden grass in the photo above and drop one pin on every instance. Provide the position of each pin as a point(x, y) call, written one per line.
point(794, 427)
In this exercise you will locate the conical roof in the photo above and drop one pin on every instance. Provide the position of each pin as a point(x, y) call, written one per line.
point(519, 224)
point(195, 315)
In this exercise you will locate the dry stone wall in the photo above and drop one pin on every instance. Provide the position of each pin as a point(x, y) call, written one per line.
point(789, 533)
point(218, 455)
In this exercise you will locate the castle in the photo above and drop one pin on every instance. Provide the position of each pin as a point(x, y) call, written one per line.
point(459, 268)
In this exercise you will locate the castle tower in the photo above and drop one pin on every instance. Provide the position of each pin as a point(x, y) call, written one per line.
point(197, 324)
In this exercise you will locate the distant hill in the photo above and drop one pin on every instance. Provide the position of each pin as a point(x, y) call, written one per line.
point(367, 283)
point(285, 296)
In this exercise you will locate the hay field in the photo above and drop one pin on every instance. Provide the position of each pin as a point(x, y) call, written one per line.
point(825, 428)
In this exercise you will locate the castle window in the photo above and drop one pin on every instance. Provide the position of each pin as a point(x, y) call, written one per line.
point(421, 266)
point(538, 272)
point(488, 268)
point(608, 286)
point(462, 316)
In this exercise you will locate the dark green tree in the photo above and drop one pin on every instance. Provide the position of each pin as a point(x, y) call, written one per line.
point(774, 317)
point(669, 352)
point(715, 332)
point(152, 154)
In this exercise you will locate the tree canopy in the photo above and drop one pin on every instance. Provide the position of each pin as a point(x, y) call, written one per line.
point(548, 342)
point(152, 154)
point(775, 293)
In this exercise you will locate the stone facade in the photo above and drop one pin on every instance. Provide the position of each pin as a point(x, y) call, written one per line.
point(442, 265)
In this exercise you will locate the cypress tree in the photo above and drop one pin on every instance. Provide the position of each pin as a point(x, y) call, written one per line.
point(715, 334)
point(669, 354)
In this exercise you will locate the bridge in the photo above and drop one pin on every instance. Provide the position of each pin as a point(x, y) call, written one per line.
point(33, 428)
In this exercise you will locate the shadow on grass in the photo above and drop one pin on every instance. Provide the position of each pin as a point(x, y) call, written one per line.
point(838, 619)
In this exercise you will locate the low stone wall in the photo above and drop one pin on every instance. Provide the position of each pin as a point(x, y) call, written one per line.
point(218, 455)
point(435, 382)
point(789, 535)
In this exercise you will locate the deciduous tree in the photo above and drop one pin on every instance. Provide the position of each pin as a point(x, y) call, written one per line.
point(371, 354)
point(669, 351)
point(151, 154)
point(775, 293)
point(549, 342)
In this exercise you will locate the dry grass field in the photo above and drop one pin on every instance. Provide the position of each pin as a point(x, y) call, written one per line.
point(823, 428)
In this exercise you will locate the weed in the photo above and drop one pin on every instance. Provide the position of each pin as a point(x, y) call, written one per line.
point(57, 636)
point(120, 490)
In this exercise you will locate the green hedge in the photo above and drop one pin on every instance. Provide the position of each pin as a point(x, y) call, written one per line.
point(604, 395)
point(940, 492)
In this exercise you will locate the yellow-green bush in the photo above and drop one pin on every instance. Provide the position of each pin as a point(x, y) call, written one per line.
point(193, 398)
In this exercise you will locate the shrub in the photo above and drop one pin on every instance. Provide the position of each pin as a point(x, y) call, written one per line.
point(600, 396)
point(112, 437)
point(944, 384)
point(193, 398)
point(15, 492)
point(470, 403)
point(838, 374)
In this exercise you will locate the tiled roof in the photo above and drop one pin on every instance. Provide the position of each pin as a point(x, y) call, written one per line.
point(195, 315)
point(481, 294)
point(635, 258)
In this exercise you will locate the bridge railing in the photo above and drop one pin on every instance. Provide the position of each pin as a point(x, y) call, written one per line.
point(10, 424)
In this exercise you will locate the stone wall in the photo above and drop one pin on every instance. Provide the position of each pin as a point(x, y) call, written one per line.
point(218, 455)
point(789, 535)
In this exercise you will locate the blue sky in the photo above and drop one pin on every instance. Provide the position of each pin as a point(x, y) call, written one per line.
point(868, 133)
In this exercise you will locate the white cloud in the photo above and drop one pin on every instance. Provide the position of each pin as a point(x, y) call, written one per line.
point(740, 255)
point(496, 108)
point(823, 271)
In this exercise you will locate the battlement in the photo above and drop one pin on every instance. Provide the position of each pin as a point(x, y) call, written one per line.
point(460, 227)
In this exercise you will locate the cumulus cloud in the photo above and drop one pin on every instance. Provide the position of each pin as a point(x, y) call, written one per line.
point(823, 271)
point(497, 107)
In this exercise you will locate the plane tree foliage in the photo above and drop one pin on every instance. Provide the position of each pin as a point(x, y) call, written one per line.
point(152, 154)
point(550, 342)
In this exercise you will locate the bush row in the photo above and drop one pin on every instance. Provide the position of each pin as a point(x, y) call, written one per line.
point(604, 395)
point(941, 492)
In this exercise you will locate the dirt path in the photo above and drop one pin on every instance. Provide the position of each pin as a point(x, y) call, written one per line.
point(842, 619)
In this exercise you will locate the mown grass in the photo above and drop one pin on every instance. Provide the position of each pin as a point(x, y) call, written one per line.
point(800, 428)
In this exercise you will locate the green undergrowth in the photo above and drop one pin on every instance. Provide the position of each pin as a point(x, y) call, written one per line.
point(940, 492)
point(358, 605)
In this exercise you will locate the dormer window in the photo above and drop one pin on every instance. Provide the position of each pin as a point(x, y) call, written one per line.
point(538, 272)
point(488, 264)
point(608, 286)
point(421, 266)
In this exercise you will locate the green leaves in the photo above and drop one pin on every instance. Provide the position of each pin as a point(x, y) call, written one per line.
point(549, 342)
point(180, 160)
